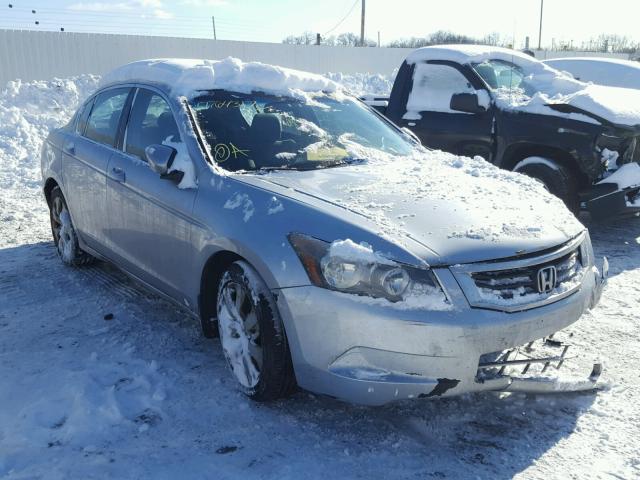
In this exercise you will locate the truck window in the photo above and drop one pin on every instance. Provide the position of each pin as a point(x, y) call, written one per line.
point(433, 87)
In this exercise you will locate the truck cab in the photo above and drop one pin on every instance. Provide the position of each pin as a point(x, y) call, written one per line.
point(525, 116)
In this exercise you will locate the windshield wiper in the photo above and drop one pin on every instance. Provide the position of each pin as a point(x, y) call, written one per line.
point(315, 165)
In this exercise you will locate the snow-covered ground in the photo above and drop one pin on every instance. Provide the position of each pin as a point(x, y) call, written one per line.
point(99, 379)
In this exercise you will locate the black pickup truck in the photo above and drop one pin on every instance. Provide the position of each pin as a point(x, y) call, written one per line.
point(579, 140)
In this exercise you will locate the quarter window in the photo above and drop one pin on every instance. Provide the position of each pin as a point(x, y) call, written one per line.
point(151, 122)
point(102, 125)
point(83, 116)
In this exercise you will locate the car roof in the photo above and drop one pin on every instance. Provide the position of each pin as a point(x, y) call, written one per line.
point(183, 77)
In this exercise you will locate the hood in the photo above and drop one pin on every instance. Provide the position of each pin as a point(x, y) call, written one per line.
point(463, 210)
point(620, 106)
point(556, 94)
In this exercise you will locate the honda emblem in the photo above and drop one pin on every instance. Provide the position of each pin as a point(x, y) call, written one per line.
point(547, 278)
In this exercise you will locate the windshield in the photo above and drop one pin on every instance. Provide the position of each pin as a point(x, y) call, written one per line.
point(258, 131)
point(525, 80)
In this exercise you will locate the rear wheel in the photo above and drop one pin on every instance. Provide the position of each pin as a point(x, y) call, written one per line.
point(555, 178)
point(64, 233)
point(252, 335)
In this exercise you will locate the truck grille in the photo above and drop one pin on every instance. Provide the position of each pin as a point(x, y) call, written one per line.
point(513, 283)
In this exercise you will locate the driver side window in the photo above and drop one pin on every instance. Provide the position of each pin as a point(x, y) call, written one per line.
point(433, 87)
point(151, 122)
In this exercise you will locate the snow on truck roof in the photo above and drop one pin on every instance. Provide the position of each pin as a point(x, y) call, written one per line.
point(468, 54)
point(186, 76)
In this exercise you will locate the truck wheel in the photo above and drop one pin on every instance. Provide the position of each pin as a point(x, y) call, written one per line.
point(555, 178)
point(64, 233)
point(252, 335)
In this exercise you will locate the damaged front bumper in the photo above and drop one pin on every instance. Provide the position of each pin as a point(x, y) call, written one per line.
point(616, 196)
point(369, 353)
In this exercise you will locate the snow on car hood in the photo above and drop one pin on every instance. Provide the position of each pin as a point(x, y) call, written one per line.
point(462, 209)
point(620, 106)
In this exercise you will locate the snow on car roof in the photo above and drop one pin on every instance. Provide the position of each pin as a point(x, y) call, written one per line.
point(187, 76)
point(469, 54)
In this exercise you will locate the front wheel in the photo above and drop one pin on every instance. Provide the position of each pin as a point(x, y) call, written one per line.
point(65, 237)
point(554, 177)
point(252, 335)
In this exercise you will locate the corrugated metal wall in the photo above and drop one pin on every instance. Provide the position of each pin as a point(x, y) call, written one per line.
point(32, 55)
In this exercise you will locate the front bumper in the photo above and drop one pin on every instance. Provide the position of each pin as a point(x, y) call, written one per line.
point(366, 352)
point(606, 201)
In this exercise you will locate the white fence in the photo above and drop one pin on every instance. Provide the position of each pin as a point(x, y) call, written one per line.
point(33, 55)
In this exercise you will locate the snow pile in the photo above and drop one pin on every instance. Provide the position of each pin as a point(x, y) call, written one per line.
point(28, 110)
point(361, 84)
point(189, 76)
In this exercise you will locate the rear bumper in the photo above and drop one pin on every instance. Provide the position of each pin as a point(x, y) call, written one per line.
point(346, 347)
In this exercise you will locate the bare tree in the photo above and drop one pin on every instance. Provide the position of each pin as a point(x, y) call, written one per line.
point(307, 38)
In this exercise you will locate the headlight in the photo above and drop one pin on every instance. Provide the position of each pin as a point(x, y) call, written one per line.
point(348, 267)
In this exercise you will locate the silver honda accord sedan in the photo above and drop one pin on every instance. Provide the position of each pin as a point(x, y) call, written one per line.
point(323, 244)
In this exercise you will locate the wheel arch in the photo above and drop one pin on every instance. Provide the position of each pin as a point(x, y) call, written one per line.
point(212, 271)
point(49, 185)
point(518, 152)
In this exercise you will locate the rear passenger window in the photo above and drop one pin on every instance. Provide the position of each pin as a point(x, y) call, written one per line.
point(102, 125)
point(151, 122)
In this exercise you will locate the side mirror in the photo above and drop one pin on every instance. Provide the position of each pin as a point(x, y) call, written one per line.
point(160, 157)
point(466, 102)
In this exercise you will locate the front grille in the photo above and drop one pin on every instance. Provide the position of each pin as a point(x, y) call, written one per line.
point(515, 284)
point(518, 282)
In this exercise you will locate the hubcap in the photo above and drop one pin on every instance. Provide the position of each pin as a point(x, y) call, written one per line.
point(63, 234)
point(239, 332)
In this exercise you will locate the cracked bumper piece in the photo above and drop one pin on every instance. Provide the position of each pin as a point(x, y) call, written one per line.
point(373, 353)
point(607, 202)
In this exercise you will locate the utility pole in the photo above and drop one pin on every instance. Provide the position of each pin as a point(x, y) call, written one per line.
point(213, 22)
point(362, 25)
point(378, 38)
point(540, 31)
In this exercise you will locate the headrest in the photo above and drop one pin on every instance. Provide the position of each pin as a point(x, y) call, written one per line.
point(266, 128)
point(167, 125)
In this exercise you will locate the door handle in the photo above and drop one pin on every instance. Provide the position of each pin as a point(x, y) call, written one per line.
point(117, 174)
point(69, 148)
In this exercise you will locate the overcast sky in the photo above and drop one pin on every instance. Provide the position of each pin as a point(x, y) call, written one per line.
point(272, 20)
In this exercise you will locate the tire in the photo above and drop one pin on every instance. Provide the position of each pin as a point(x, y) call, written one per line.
point(252, 335)
point(555, 178)
point(64, 233)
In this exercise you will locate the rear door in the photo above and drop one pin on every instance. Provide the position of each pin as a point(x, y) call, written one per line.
point(429, 115)
point(85, 159)
point(150, 216)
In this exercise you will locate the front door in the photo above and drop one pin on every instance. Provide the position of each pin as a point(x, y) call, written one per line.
point(150, 216)
point(429, 113)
